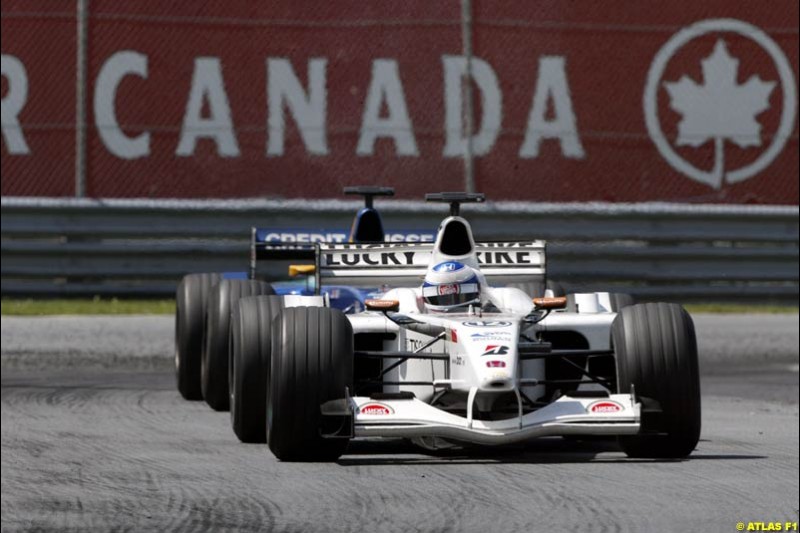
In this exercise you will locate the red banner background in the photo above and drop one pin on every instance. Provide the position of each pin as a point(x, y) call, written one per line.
point(600, 53)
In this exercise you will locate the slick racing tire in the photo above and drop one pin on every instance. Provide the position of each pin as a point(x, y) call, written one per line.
point(312, 363)
point(620, 300)
point(251, 347)
point(190, 305)
point(656, 353)
point(214, 367)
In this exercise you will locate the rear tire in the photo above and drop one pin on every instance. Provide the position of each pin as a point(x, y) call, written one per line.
point(214, 367)
point(312, 363)
point(190, 304)
point(656, 352)
point(251, 349)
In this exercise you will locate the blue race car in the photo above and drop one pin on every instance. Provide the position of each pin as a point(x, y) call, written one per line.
point(205, 302)
point(367, 227)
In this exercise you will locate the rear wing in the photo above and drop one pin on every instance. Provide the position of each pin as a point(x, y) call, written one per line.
point(405, 264)
point(299, 245)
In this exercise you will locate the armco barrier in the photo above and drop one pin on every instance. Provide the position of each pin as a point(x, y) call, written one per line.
point(143, 247)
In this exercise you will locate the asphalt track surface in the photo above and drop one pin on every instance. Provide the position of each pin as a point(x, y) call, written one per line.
point(88, 445)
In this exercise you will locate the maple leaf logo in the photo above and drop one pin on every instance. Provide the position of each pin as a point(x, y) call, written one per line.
point(720, 108)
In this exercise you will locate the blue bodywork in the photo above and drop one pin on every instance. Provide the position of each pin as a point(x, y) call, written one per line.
point(347, 299)
point(234, 275)
point(297, 244)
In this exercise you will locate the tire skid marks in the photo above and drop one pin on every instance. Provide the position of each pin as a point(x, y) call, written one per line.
point(428, 499)
point(553, 497)
point(130, 455)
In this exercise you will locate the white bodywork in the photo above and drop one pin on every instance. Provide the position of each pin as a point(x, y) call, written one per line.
point(483, 360)
point(467, 371)
point(565, 416)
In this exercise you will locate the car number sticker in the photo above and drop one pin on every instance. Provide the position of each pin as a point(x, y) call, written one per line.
point(487, 324)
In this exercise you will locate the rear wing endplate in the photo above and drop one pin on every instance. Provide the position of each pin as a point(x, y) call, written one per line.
point(279, 251)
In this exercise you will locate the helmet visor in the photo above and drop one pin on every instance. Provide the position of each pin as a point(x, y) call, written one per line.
point(451, 295)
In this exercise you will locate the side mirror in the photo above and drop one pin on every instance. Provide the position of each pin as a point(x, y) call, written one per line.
point(382, 305)
point(557, 302)
point(300, 270)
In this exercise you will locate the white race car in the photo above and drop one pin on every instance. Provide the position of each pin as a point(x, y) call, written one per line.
point(450, 355)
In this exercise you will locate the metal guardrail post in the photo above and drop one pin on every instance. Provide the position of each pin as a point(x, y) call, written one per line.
point(82, 57)
point(469, 115)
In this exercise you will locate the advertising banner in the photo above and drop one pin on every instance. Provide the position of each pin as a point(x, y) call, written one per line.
point(570, 101)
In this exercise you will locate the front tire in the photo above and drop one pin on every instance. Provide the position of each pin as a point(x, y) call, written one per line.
point(191, 298)
point(620, 300)
point(656, 352)
point(214, 368)
point(251, 349)
point(617, 301)
point(312, 363)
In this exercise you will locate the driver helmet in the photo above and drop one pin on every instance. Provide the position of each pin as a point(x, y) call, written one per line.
point(451, 286)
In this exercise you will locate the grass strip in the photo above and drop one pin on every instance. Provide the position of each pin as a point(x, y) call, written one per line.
point(124, 306)
point(85, 306)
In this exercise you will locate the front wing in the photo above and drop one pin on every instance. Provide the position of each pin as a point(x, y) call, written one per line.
point(566, 416)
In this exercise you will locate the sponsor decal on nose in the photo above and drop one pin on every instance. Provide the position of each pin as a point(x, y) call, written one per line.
point(500, 336)
point(376, 409)
point(496, 364)
point(605, 406)
point(486, 324)
point(493, 349)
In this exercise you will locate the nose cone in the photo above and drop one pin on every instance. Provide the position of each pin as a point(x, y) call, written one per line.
point(497, 371)
point(498, 382)
point(492, 349)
